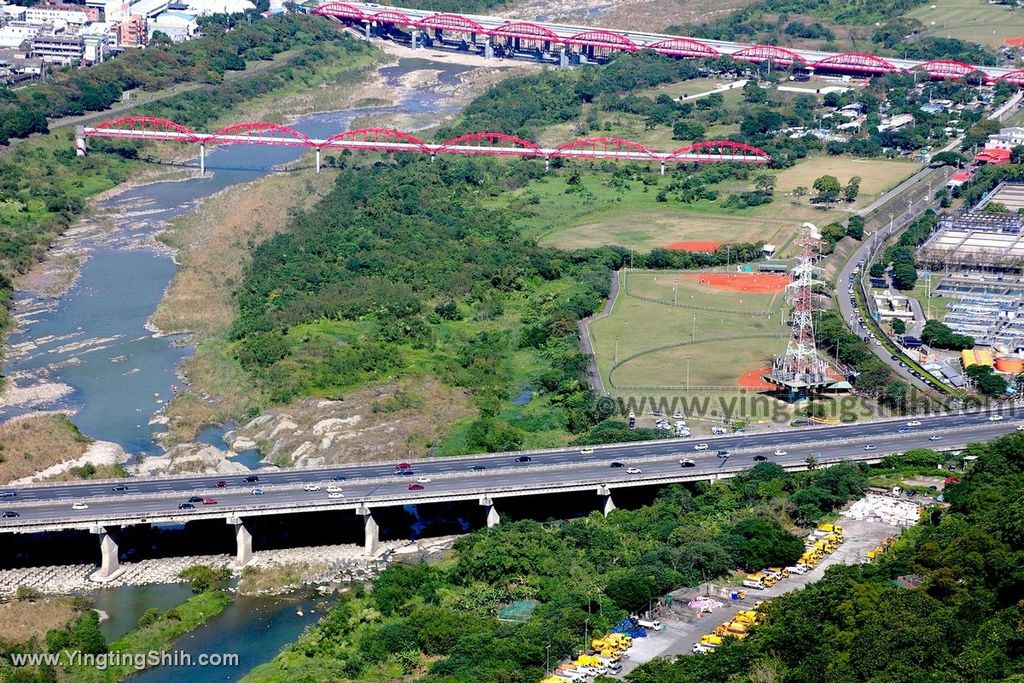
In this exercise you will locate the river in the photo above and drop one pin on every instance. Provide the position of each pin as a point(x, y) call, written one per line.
point(93, 338)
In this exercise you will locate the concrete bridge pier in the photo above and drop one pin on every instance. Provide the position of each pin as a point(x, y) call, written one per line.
point(318, 161)
point(563, 58)
point(110, 565)
point(488, 48)
point(202, 158)
point(80, 147)
point(415, 39)
point(368, 30)
point(663, 168)
point(547, 164)
point(493, 518)
point(371, 532)
point(607, 504)
point(243, 540)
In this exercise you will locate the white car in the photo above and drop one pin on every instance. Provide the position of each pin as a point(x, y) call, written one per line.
point(914, 423)
point(79, 506)
point(869, 447)
point(586, 451)
point(336, 494)
point(312, 487)
point(700, 447)
point(934, 437)
point(995, 418)
point(423, 480)
point(632, 470)
point(334, 489)
point(779, 451)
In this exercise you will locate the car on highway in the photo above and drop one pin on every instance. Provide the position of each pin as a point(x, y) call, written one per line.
point(404, 473)
point(934, 437)
point(186, 506)
point(914, 423)
point(779, 451)
point(870, 447)
point(256, 491)
point(209, 501)
point(415, 487)
point(700, 447)
point(10, 514)
point(119, 487)
point(760, 458)
point(195, 499)
point(338, 478)
point(334, 489)
point(616, 463)
point(586, 451)
point(336, 495)
point(686, 462)
point(220, 484)
point(403, 466)
point(79, 506)
point(250, 479)
point(8, 493)
point(903, 430)
point(311, 487)
point(995, 418)
point(476, 468)
point(424, 480)
point(524, 458)
point(723, 454)
point(632, 470)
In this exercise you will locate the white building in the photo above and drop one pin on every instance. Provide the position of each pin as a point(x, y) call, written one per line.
point(17, 32)
point(13, 12)
point(178, 26)
point(46, 14)
point(96, 42)
point(1006, 138)
point(58, 48)
point(206, 7)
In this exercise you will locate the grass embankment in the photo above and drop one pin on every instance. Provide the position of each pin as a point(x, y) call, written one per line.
point(158, 635)
point(35, 443)
point(23, 620)
point(978, 21)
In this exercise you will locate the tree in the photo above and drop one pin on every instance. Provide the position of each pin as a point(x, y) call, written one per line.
point(799, 191)
point(204, 578)
point(904, 275)
point(855, 227)
point(898, 326)
point(852, 189)
point(753, 93)
point(764, 183)
point(827, 187)
point(877, 270)
point(949, 158)
point(986, 380)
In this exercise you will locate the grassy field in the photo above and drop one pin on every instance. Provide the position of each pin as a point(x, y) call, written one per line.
point(22, 620)
point(938, 303)
point(35, 443)
point(637, 325)
point(877, 175)
point(973, 20)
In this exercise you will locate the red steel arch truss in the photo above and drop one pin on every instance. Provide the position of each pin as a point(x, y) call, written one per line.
point(392, 140)
point(603, 39)
point(451, 22)
point(525, 30)
point(947, 68)
point(1014, 77)
point(339, 10)
point(857, 62)
point(683, 47)
point(765, 53)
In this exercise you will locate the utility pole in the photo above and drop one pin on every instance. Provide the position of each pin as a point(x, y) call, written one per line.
point(693, 337)
point(547, 659)
point(586, 634)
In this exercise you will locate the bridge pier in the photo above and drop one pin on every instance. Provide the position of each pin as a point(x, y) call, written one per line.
point(243, 540)
point(80, 147)
point(547, 164)
point(662, 168)
point(493, 518)
point(415, 39)
point(608, 504)
point(368, 30)
point(371, 532)
point(488, 48)
point(110, 565)
point(318, 160)
point(202, 158)
point(563, 58)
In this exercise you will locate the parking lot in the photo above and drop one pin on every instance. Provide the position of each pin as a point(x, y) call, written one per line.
point(683, 627)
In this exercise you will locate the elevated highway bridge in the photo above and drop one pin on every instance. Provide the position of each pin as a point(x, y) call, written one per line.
point(485, 479)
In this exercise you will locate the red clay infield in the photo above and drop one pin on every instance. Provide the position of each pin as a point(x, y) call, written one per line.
point(759, 283)
point(695, 246)
point(752, 380)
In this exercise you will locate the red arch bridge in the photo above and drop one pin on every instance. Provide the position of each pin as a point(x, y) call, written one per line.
point(391, 140)
point(483, 33)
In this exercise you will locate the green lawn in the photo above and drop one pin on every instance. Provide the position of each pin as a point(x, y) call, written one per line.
point(973, 20)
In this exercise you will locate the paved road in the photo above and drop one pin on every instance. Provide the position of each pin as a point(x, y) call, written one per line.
point(918, 189)
point(450, 479)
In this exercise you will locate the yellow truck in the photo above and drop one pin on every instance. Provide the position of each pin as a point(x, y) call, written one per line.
point(749, 616)
point(734, 629)
point(756, 581)
point(707, 643)
point(778, 572)
point(831, 528)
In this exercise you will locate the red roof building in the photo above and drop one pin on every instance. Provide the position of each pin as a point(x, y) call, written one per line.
point(996, 157)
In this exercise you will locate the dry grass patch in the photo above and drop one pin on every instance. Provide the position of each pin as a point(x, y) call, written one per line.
point(214, 244)
point(22, 620)
point(34, 443)
point(877, 175)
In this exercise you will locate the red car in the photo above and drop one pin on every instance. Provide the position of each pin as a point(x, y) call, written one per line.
point(221, 484)
point(415, 487)
point(209, 501)
point(402, 466)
